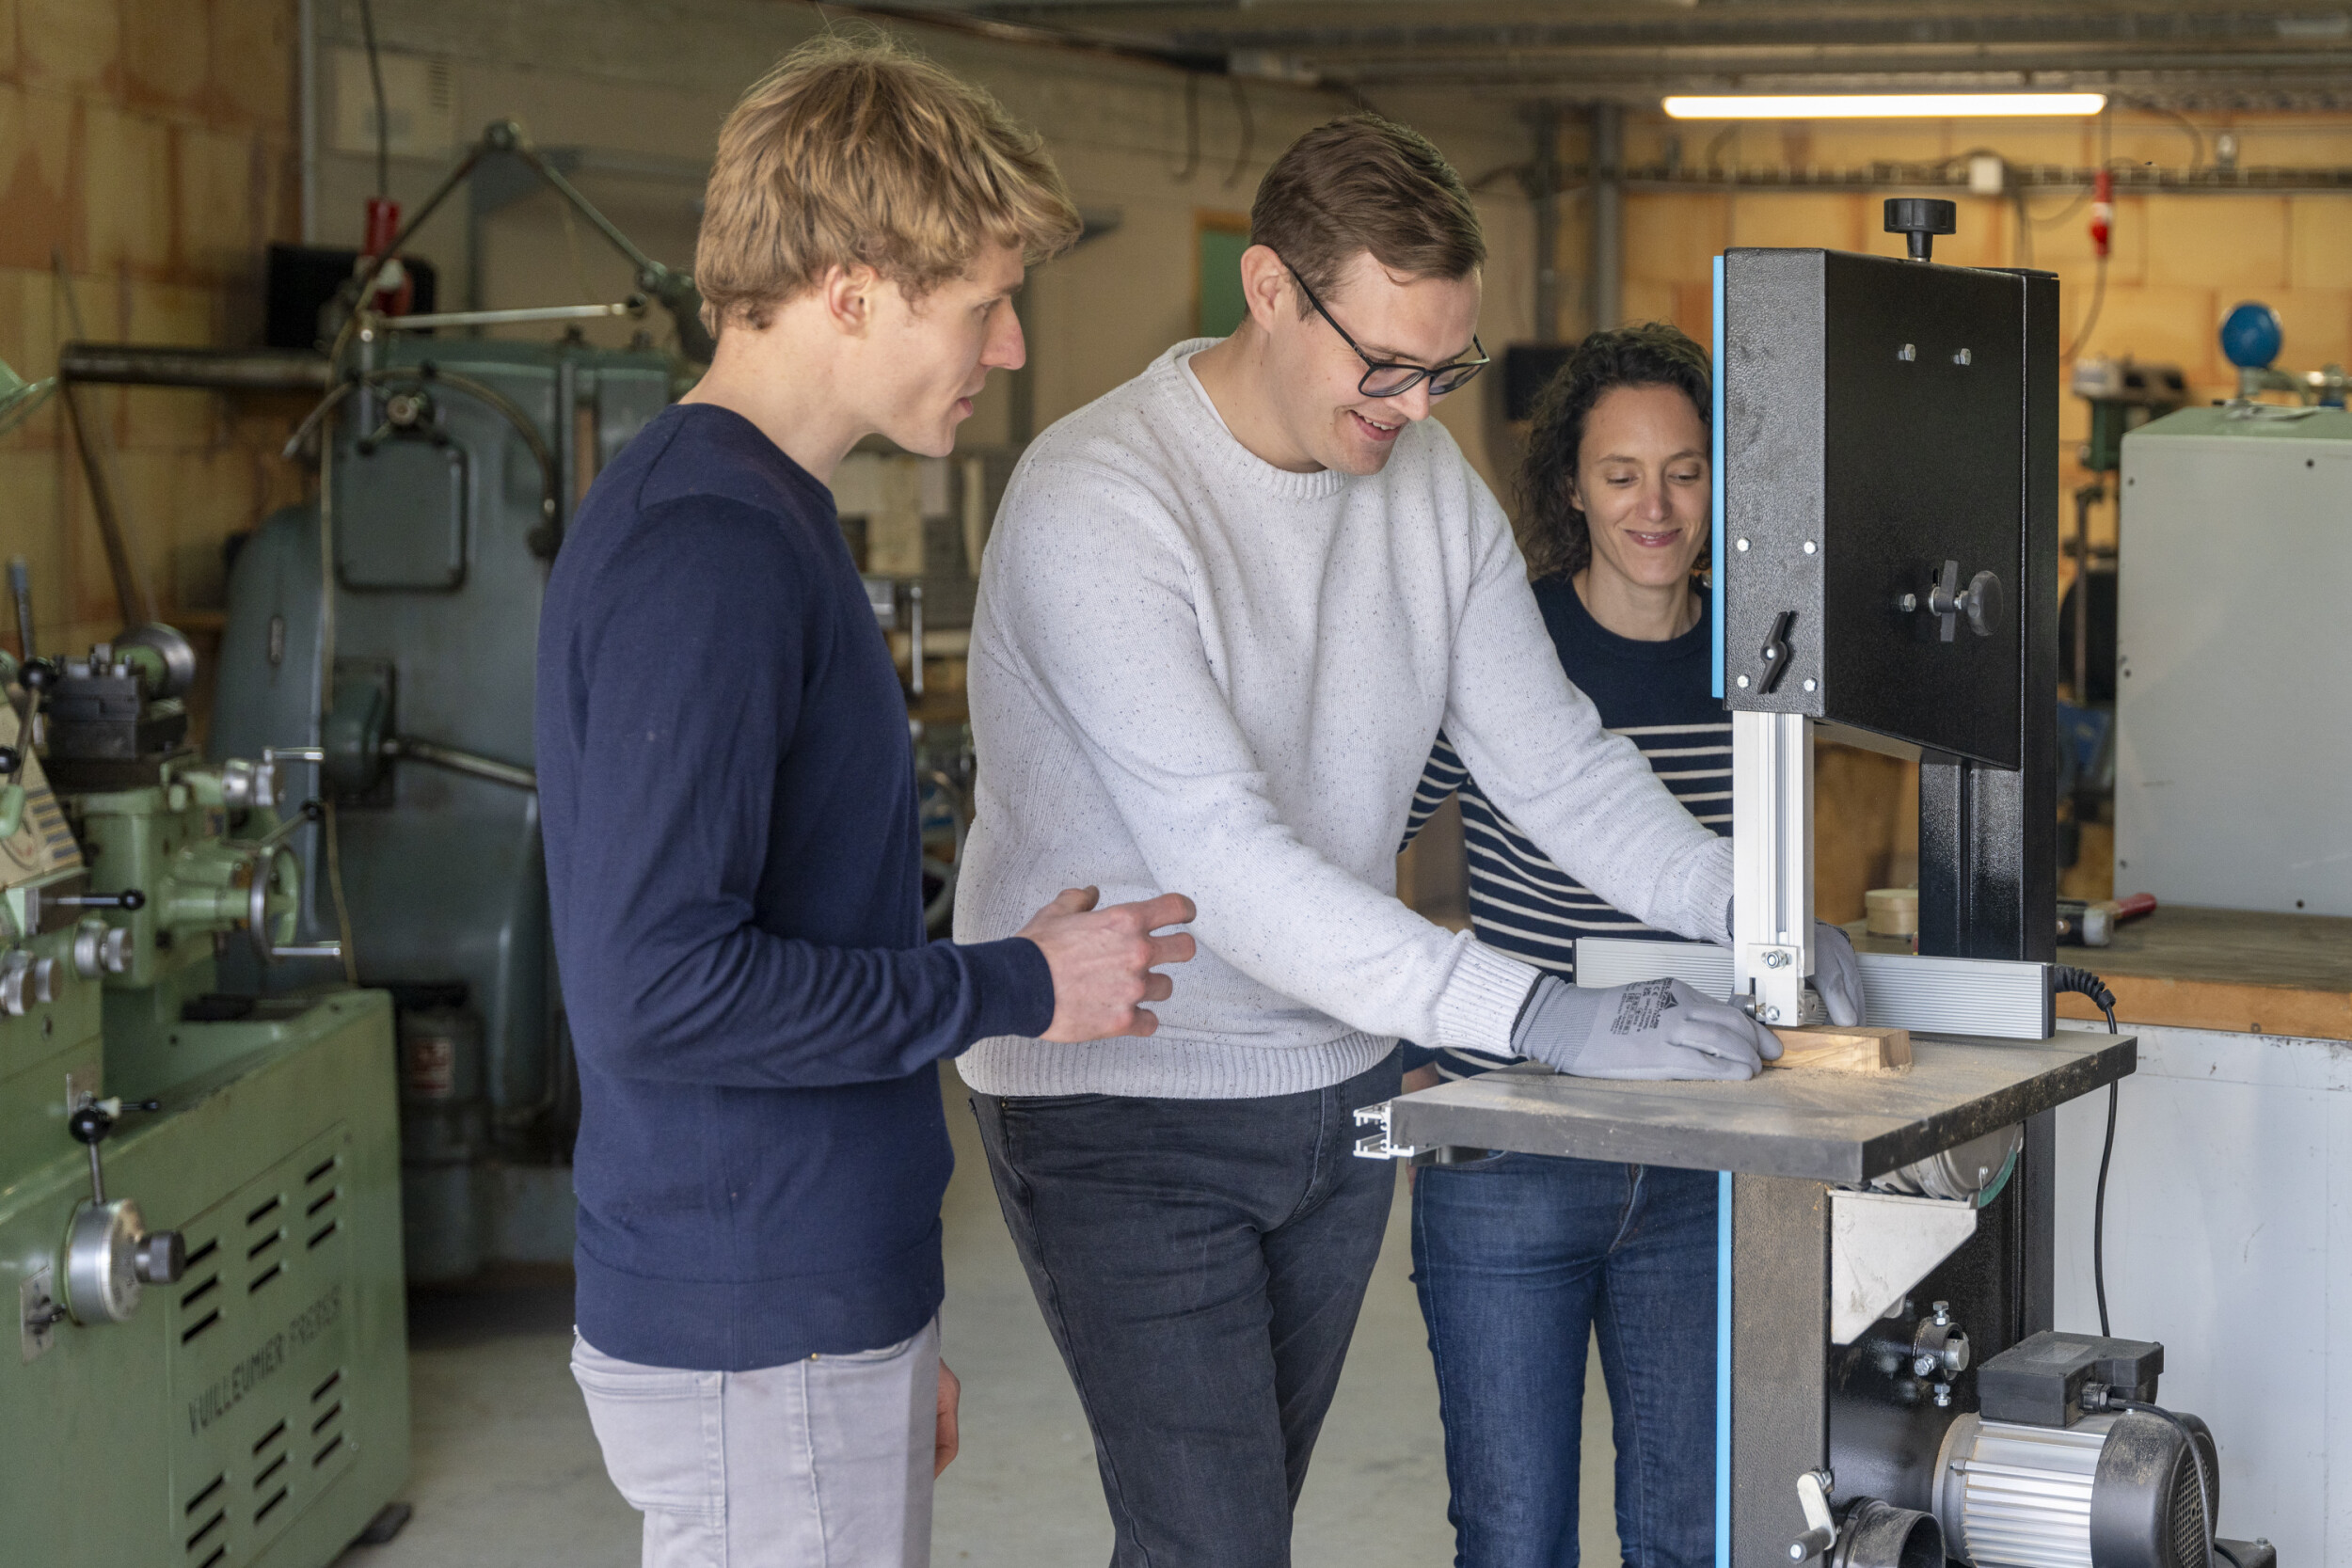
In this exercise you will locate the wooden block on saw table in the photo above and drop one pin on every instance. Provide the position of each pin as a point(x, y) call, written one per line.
point(1827, 1047)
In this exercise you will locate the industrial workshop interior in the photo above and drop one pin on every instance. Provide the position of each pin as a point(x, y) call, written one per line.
point(1204, 783)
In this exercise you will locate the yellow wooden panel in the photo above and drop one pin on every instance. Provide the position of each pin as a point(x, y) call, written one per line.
point(68, 42)
point(2222, 243)
point(2318, 323)
point(166, 54)
point(1832, 219)
point(1672, 237)
point(215, 173)
point(253, 62)
point(2172, 324)
point(1845, 143)
point(2319, 241)
point(36, 193)
point(126, 190)
point(1646, 300)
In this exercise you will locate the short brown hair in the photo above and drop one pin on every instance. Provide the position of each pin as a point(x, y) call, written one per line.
point(856, 149)
point(1366, 183)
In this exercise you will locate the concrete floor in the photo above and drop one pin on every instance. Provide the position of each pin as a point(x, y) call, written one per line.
point(506, 1472)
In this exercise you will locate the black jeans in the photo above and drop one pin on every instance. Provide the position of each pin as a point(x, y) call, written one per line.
point(1199, 1263)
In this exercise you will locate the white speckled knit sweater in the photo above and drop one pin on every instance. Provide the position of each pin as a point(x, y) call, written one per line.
point(1192, 672)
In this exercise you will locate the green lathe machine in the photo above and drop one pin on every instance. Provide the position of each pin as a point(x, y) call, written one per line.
point(199, 1194)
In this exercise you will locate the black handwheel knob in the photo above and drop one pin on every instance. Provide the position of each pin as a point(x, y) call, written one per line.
point(10, 760)
point(39, 674)
point(1919, 220)
point(89, 1124)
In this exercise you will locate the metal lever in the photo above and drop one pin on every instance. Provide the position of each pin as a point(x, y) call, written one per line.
point(308, 812)
point(129, 898)
point(21, 587)
point(91, 1120)
point(1775, 651)
point(110, 1254)
point(1820, 1533)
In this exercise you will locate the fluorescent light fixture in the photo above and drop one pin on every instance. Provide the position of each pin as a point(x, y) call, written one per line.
point(1891, 106)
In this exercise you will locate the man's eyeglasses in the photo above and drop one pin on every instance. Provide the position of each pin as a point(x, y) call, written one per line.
point(1385, 379)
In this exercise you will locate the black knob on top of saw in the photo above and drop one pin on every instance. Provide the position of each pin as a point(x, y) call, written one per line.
point(1918, 219)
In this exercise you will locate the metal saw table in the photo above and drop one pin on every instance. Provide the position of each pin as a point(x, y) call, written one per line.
point(1789, 1398)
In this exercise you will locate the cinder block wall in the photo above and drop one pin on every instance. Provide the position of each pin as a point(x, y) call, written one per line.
point(149, 145)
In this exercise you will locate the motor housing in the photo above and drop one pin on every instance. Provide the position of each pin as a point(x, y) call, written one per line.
point(2115, 1490)
point(2068, 1462)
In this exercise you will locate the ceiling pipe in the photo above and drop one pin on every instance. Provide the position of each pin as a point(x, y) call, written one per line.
point(1543, 194)
point(1608, 263)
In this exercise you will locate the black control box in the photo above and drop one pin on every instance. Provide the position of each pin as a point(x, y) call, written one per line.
point(2039, 1381)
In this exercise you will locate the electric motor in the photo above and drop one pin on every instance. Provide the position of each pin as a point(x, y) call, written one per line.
point(2112, 1490)
point(2069, 1464)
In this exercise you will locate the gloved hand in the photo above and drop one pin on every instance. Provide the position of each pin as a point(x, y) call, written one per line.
point(1836, 974)
point(1651, 1029)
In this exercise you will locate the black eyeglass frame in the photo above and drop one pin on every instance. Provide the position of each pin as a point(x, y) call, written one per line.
point(1414, 374)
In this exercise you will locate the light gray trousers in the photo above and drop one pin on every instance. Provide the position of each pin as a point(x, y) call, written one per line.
point(824, 1463)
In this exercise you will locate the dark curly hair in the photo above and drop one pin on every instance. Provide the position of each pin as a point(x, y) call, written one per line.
point(1552, 531)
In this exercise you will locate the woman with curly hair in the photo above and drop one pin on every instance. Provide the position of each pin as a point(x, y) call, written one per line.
point(1520, 1259)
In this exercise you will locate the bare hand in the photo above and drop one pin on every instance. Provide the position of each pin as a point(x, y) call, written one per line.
point(1102, 962)
point(944, 1445)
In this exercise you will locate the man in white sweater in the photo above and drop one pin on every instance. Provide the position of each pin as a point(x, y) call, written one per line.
point(1224, 613)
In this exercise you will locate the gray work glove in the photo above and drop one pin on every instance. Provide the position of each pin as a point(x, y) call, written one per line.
point(1836, 974)
point(1650, 1029)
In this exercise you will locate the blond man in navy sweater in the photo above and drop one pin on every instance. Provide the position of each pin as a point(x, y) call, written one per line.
point(733, 854)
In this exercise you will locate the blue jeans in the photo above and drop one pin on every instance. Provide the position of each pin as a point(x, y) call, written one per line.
point(1520, 1258)
point(1199, 1263)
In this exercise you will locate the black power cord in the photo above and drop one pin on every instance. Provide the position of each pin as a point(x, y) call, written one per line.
point(2066, 977)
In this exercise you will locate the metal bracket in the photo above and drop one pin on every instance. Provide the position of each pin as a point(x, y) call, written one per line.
point(1880, 1245)
point(1375, 1144)
point(37, 1314)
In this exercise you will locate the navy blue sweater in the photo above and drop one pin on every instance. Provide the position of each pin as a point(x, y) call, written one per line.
point(728, 800)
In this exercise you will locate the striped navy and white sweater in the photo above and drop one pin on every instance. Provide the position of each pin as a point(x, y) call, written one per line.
point(1654, 694)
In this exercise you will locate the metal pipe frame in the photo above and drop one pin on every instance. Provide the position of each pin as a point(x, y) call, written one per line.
point(1608, 240)
point(212, 369)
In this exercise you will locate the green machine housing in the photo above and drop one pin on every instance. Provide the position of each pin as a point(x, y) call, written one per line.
point(410, 601)
point(199, 1200)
